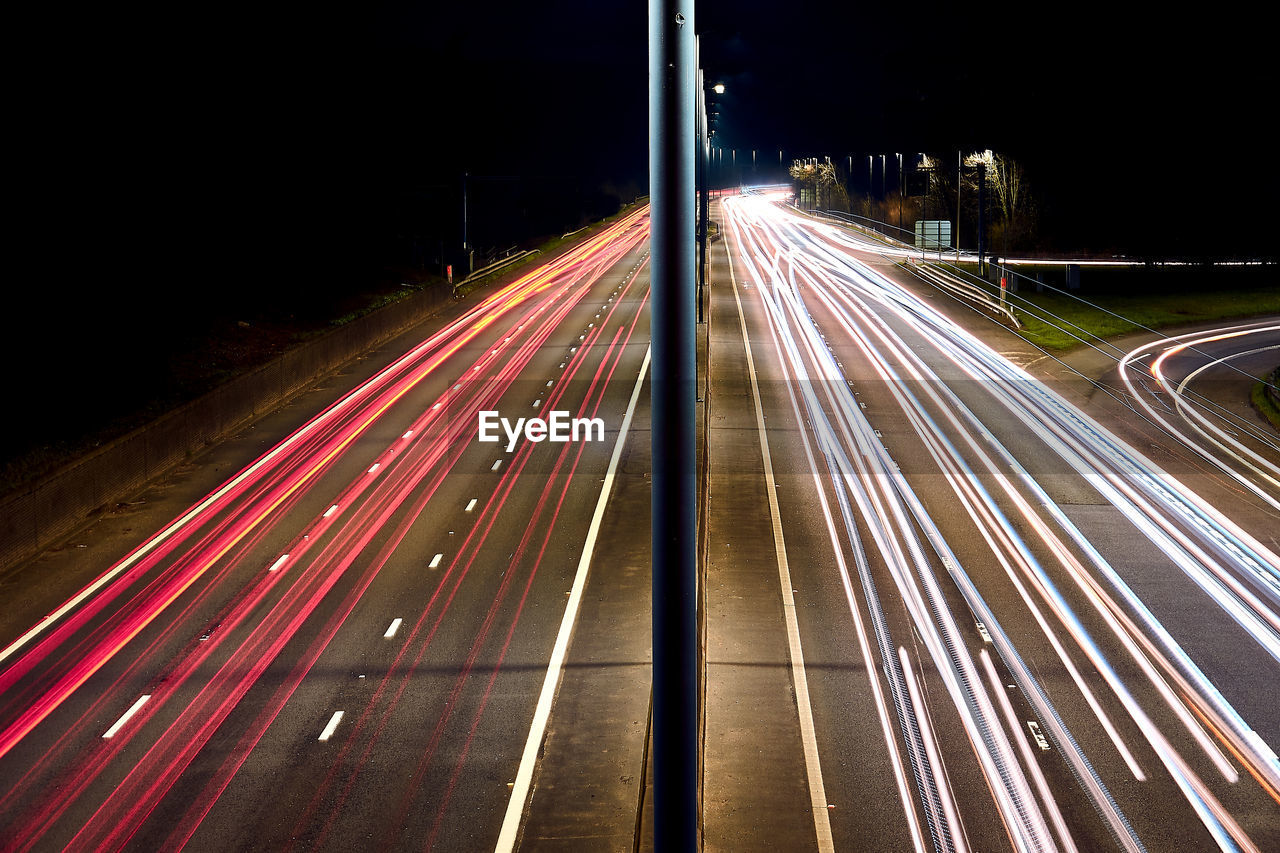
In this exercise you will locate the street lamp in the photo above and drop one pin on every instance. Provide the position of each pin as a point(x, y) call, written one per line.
point(900, 189)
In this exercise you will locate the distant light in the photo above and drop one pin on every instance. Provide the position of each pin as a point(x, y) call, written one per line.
point(719, 88)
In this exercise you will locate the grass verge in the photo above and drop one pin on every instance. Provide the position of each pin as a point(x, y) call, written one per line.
point(1058, 322)
point(1263, 402)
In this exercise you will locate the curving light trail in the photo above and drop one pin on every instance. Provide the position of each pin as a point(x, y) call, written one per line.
point(1220, 429)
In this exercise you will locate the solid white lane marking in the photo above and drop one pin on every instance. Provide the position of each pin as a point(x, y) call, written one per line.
point(470, 505)
point(542, 713)
point(331, 510)
point(435, 561)
point(133, 709)
point(395, 626)
point(332, 727)
point(278, 563)
point(808, 737)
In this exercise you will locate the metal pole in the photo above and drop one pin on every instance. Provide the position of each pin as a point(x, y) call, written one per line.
point(982, 218)
point(700, 141)
point(902, 185)
point(672, 148)
point(959, 181)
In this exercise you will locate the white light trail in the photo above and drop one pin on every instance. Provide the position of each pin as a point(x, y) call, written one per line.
point(799, 267)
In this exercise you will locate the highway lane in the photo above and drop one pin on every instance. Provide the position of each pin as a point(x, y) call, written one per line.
point(989, 555)
point(1197, 385)
point(344, 644)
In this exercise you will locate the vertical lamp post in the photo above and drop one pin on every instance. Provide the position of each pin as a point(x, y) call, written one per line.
point(672, 149)
point(982, 218)
point(700, 169)
point(901, 189)
point(466, 252)
point(959, 182)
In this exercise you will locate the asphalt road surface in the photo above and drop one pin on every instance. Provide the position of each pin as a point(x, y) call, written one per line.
point(343, 628)
point(956, 604)
point(959, 595)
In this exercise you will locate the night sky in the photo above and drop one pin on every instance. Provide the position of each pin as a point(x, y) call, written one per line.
point(175, 162)
point(247, 140)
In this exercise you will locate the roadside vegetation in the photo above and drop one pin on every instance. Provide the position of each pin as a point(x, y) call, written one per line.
point(1118, 301)
point(1264, 401)
point(1059, 322)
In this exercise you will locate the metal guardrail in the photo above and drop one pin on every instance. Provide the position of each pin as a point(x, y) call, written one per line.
point(933, 274)
point(953, 284)
point(494, 267)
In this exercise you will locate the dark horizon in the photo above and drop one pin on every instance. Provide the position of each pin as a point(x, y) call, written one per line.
point(256, 136)
point(230, 160)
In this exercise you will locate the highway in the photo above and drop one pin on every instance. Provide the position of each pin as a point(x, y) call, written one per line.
point(959, 595)
point(979, 616)
point(344, 629)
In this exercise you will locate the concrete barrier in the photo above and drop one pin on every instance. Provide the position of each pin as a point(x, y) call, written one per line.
point(39, 513)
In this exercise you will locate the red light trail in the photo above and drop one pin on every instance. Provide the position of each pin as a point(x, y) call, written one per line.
point(195, 564)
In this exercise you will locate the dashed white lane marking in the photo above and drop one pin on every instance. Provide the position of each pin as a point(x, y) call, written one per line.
point(332, 726)
point(133, 709)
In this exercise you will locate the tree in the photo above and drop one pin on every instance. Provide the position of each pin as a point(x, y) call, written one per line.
point(1008, 190)
point(823, 182)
